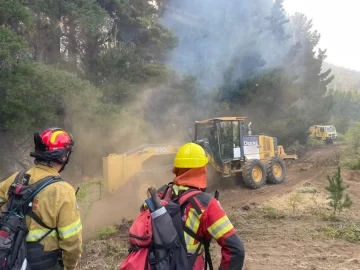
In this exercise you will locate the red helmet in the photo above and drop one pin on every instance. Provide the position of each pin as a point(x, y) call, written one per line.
point(56, 139)
point(52, 145)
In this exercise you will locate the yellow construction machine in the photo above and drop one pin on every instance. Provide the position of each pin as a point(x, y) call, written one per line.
point(326, 133)
point(257, 158)
point(231, 152)
point(149, 160)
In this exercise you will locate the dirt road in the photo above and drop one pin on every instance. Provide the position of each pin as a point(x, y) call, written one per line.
point(283, 240)
point(276, 238)
point(305, 169)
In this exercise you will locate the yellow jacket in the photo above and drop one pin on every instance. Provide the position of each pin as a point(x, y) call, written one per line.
point(56, 206)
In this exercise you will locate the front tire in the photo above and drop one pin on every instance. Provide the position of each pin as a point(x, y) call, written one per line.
point(254, 174)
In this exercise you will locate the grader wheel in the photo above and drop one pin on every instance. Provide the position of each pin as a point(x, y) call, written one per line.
point(275, 170)
point(328, 141)
point(254, 174)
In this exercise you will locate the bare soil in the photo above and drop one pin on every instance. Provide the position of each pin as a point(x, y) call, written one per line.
point(274, 236)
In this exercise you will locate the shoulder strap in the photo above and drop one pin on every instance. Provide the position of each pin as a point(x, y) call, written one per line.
point(169, 186)
point(17, 181)
point(20, 176)
point(185, 198)
point(40, 185)
point(188, 196)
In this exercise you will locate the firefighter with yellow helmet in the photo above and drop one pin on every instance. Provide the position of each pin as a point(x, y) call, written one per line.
point(209, 220)
point(54, 239)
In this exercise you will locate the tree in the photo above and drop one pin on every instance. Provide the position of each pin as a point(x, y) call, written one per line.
point(112, 49)
point(127, 68)
point(336, 188)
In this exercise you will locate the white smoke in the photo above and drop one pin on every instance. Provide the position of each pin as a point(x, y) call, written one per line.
point(222, 40)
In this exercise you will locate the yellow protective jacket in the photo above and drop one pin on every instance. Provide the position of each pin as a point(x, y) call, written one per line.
point(56, 206)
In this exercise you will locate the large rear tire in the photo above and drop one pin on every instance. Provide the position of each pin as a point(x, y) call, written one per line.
point(275, 170)
point(254, 174)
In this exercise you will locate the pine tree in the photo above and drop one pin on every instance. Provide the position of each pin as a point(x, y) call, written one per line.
point(336, 189)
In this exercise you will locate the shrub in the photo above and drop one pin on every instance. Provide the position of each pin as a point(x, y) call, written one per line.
point(336, 190)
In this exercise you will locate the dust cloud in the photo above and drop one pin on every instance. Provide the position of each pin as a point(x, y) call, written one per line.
point(219, 43)
point(138, 124)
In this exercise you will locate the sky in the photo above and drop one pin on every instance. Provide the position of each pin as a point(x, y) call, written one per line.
point(338, 23)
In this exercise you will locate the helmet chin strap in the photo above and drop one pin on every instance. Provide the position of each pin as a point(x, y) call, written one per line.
point(65, 162)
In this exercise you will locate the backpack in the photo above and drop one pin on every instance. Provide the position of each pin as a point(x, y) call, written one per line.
point(13, 230)
point(144, 252)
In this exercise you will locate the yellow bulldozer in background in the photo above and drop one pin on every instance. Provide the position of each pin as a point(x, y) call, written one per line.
point(326, 133)
point(256, 159)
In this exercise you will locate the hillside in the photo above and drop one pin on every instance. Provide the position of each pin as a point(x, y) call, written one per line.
point(345, 79)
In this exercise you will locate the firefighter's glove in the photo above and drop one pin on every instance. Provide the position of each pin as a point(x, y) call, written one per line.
point(153, 193)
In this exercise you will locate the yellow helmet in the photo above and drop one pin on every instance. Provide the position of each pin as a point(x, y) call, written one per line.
point(190, 155)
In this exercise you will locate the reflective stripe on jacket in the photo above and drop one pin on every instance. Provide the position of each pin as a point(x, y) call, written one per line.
point(57, 208)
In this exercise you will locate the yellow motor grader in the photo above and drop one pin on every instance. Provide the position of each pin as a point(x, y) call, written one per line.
point(256, 159)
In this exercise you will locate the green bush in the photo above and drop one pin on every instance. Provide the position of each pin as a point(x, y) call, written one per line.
point(352, 136)
point(271, 213)
point(294, 201)
point(348, 231)
point(314, 142)
point(106, 232)
point(341, 138)
point(351, 164)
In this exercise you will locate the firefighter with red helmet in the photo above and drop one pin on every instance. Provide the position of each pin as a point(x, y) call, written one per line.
point(55, 206)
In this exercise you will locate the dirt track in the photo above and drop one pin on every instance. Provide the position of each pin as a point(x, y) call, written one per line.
point(289, 241)
point(305, 169)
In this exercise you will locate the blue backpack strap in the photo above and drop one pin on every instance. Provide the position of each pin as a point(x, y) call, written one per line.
point(42, 183)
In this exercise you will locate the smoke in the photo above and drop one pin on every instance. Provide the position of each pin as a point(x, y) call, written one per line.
point(224, 41)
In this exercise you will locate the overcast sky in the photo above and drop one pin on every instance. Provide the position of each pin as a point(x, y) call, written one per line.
point(338, 23)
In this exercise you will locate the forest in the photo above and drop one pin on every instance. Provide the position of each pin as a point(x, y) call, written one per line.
point(121, 73)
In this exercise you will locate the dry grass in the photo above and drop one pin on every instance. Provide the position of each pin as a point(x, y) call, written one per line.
point(107, 248)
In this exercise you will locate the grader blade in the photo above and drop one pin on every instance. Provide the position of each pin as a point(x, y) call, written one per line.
point(147, 161)
point(282, 154)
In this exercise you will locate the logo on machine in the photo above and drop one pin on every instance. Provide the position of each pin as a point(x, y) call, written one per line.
point(161, 150)
point(250, 143)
